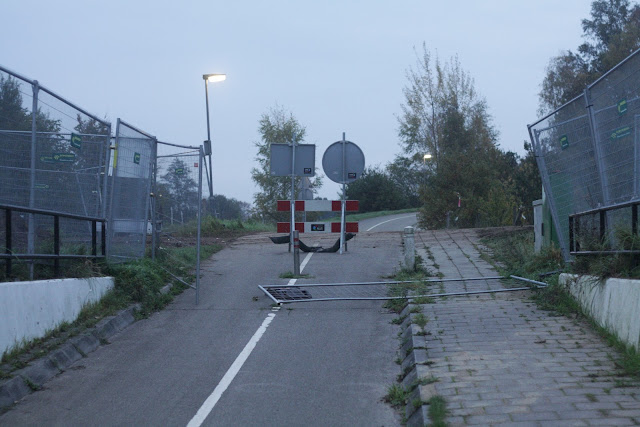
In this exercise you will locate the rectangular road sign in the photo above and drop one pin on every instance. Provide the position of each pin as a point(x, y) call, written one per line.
point(280, 164)
point(317, 227)
point(318, 206)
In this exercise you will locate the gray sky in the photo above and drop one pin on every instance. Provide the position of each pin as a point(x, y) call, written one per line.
point(338, 66)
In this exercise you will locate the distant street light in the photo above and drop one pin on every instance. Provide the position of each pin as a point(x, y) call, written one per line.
point(213, 78)
point(425, 158)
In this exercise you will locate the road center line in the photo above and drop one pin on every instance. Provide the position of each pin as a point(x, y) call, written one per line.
point(224, 383)
point(389, 220)
point(304, 262)
point(211, 401)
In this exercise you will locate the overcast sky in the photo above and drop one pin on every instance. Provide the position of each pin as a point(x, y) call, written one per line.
point(338, 66)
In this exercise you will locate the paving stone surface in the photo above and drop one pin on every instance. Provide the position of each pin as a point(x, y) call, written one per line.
point(502, 361)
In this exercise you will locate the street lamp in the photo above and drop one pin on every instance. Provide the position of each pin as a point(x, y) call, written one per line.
point(213, 78)
point(426, 157)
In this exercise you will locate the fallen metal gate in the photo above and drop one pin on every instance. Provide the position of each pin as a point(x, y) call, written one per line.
point(283, 294)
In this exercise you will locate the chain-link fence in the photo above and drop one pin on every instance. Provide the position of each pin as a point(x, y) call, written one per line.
point(588, 150)
point(131, 180)
point(53, 157)
point(178, 207)
point(56, 159)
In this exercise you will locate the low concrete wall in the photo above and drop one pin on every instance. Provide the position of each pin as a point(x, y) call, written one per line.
point(614, 304)
point(29, 309)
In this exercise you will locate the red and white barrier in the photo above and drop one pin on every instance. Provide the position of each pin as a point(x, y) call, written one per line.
point(317, 227)
point(318, 206)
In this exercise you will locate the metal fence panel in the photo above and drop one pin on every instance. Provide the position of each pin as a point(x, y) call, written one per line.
point(565, 151)
point(53, 156)
point(616, 106)
point(130, 188)
point(588, 150)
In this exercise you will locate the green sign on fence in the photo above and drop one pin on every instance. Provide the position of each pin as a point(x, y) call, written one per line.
point(42, 186)
point(136, 158)
point(64, 157)
point(76, 140)
point(621, 132)
point(622, 106)
point(179, 171)
point(564, 141)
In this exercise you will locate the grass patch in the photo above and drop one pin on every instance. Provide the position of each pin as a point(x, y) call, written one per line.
point(437, 411)
point(420, 319)
point(396, 395)
point(290, 275)
point(403, 291)
point(135, 282)
point(213, 227)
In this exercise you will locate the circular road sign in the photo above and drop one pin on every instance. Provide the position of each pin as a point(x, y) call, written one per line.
point(336, 170)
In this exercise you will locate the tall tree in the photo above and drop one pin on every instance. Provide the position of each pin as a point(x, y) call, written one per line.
point(612, 33)
point(277, 126)
point(183, 189)
point(444, 116)
point(376, 191)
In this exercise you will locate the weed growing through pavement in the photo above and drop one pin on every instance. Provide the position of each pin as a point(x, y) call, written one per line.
point(420, 319)
point(437, 411)
point(290, 275)
point(396, 395)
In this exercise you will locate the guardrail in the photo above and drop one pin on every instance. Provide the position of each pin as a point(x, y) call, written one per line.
point(574, 228)
point(9, 256)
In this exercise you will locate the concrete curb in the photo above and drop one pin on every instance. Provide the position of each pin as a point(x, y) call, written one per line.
point(414, 367)
point(32, 378)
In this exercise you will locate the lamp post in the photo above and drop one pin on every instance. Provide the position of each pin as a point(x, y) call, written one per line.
point(213, 78)
point(425, 158)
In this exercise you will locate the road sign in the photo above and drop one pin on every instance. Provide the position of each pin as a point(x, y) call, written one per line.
point(281, 159)
point(343, 166)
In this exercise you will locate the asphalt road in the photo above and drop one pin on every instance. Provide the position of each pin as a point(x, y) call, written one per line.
point(389, 223)
point(233, 360)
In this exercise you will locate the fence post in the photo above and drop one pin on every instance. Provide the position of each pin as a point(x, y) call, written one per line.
point(56, 245)
point(32, 181)
point(409, 249)
point(296, 253)
point(8, 241)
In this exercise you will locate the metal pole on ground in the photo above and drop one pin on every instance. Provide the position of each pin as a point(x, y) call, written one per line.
point(296, 253)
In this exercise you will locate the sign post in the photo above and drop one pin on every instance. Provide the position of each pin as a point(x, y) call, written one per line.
point(293, 194)
point(343, 162)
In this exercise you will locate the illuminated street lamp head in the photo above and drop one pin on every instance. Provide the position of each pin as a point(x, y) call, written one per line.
point(427, 156)
point(214, 77)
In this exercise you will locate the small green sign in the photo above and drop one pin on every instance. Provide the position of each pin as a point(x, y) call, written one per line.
point(42, 186)
point(179, 171)
point(76, 140)
point(64, 157)
point(622, 106)
point(47, 159)
point(136, 158)
point(564, 141)
point(621, 132)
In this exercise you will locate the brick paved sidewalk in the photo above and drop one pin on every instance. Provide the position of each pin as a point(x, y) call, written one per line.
point(501, 361)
